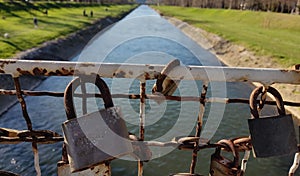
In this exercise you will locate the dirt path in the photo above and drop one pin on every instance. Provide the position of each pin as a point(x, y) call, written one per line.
point(238, 56)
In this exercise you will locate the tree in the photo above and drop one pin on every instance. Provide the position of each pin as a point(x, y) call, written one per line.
point(230, 4)
point(298, 7)
point(285, 6)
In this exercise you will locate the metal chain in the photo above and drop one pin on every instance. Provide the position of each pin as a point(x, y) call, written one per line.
point(12, 136)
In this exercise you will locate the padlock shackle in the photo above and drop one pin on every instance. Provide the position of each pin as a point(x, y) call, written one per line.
point(253, 103)
point(72, 86)
point(235, 152)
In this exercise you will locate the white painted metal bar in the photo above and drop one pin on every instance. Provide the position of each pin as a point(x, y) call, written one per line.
point(295, 165)
point(265, 76)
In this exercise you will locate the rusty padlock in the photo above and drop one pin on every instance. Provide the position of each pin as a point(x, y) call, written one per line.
point(96, 137)
point(274, 135)
point(164, 85)
point(221, 166)
point(63, 167)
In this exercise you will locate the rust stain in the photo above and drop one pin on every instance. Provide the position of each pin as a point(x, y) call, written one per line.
point(87, 65)
point(147, 76)
point(143, 93)
point(67, 72)
point(3, 63)
point(132, 96)
point(58, 72)
point(151, 67)
point(62, 72)
point(7, 92)
point(51, 73)
point(120, 74)
point(130, 72)
point(97, 171)
point(284, 71)
point(23, 72)
point(39, 71)
point(244, 79)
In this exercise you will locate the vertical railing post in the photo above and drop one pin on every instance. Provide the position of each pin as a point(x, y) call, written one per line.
point(29, 124)
point(142, 120)
point(199, 127)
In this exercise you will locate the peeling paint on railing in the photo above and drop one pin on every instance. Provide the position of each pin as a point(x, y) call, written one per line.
point(266, 76)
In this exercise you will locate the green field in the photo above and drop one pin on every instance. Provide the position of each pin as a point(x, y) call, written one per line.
point(16, 19)
point(266, 33)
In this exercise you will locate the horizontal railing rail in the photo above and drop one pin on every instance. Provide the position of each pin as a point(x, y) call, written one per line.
point(266, 76)
point(147, 96)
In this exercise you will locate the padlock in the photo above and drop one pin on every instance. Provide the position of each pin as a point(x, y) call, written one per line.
point(273, 135)
point(164, 85)
point(221, 166)
point(99, 170)
point(96, 137)
point(63, 167)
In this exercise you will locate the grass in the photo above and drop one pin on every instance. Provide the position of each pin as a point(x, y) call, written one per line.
point(16, 19)
point(266, 33)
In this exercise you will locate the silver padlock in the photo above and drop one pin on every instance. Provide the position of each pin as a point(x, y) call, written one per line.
point(97, 137)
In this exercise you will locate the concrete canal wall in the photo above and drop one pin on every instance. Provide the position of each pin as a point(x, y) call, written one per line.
point(238, 56)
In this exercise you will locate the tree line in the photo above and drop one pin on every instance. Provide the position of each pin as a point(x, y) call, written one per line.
point(83, 1)
point(283, 6)
point(105, 1)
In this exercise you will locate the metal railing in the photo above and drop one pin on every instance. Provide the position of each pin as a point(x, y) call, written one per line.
point(142, 72)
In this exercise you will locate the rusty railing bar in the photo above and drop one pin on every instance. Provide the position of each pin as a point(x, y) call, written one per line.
point(148, 96)
point(142, 121)
point(28, 123)
point(199, 127)
point(15, 140)
point(267, 76)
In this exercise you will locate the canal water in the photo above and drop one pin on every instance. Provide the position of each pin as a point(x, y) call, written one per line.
point(143, 37)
